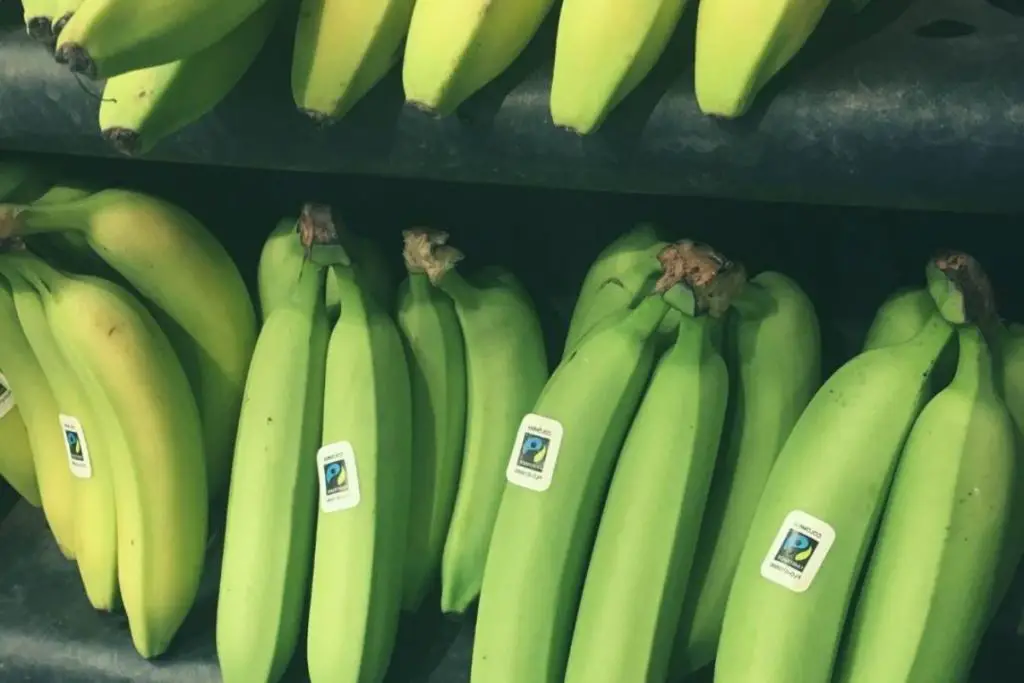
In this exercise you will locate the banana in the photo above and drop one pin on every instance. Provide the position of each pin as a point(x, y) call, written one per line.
point(179, 266)
point(773, 349)
point(105, 38)
point(38, 17)
point(741, 46)
point(437, 371)
point(1010, 363)
point(926, 598)
point(90, 437)
point(817, 515)
point(16, 466)
point(364, 470)
point(342, 49)
point(39, 410)
point(268, 540)
point(132, 376)
point(619, 275)
point(142, 107)
point(63, 10)
point(603, 53)
point(630, 609)
point(455, 47)
point(900, 317)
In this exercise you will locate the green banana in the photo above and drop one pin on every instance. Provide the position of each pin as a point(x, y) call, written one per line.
point(741, 46)
point(926, 598)
point(773, 349)
point(901, 316)
point(62, 11)
point(630, 607)
point(817, 514)
point(342, 49)
point(16, 466)
point(456, 47)
point(21, 181)
point(1010, 363)
point(105, 38)
point(38, 17)
point(603, 53)
point(178, 265)
point(140, 108)
point(437, 370)
point(268, 547)
point(364, 470)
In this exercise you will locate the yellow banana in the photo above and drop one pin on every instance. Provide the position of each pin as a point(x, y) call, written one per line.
point(62, 11)
point(38, 17)
point(16, 465)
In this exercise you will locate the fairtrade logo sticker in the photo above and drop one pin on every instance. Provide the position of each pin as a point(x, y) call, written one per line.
point(535, 453)
point(76, 446)
point(339, 478)
point(798, 551)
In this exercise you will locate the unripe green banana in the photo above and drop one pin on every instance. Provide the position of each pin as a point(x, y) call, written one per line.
point(62, 11)
point(342, 49)
point(16, 466)
point(773, 348)
point(364, 469)
point(437, 370)
point(142, 107)
point(91, 435)
point(925, 602)
point(130, 373)
point(1010, 364)
point(456, 47)
point(602, 54)
point(637, 575)
point(817, 515)
point(178, 265)
point(901, 316)
point(39, 410)
point(268, 540)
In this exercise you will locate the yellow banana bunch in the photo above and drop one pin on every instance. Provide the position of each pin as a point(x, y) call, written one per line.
point(62, 11)
point(16, 466)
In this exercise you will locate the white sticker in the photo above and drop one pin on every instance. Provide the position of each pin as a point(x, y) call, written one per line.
point(6, 396)
point(535, 453)
point(799, 549)
point(339, 478)
point(77, 447)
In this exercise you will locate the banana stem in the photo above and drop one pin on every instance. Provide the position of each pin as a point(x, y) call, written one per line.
point(974, 362)
point(320, 236)
point(709, 281)
point(962, 291)
point(40, 274)
point(426, 251)
point(21, 220)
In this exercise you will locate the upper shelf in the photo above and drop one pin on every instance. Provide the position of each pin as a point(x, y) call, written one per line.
point(911, 104)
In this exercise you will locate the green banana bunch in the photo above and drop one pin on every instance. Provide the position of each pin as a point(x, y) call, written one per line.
point(437, 371)
point(268, 539)
point(817, 514)
point(105, 38)
point(38, 17)
point(179, 266)
point(631, 607)
point(364, 470)
point(132, 378)
point(62, 11)
point(603, 53)
point(620, 274)
point(342, 49)
point(926, 598)
point(142, 107)
point(456, 47)
point(91, 436)
point(773, 349)
point(740, 46)
point(16, 466)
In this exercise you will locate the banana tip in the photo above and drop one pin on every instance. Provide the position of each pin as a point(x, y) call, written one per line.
point(124, 140)
point(39, 28)
point(320, 118)
point(77, 59)
point(59, 25)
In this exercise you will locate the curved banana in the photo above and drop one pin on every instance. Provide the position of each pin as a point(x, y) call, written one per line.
point(900, 317)
point(1010, 365)
point(180, 266)
point(437, 371)
point(105, 38)
point(268, 540)
point(62, 12)
point(16, 465)
point(342, 49)
point(364, 470)
point(773, 349)
point(142, 107)
point(455, 47)
point(603, 53)
point(925, 602)
point(38, 18)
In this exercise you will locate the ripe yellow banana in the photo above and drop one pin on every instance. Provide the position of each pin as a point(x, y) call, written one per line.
point(342, 49)
point(637, 575)
point(926, 598)
point(364, 470)
point(740, 46)
point(817, 515)
point(178, 265)
point(106, 38)
point(437, 372)
point(603, 53)
point(142, 107)
point(62, 12)
point(455, 47)
point(16, 466)
point(131, 374)
point(268, 541)
point(773, 348)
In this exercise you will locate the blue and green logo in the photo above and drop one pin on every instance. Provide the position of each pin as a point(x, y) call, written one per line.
point(335, 477)
point(533, 452)
point(74, 444)
point(796, 550)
